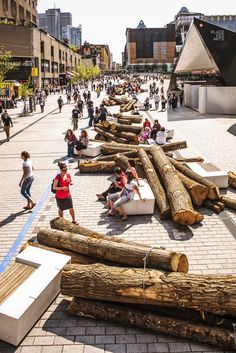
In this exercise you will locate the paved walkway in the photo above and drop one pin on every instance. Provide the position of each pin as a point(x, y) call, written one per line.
point(210, 246)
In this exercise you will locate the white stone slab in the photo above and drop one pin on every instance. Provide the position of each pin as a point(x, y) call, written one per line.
point(138, 207)
point(93, 149)
point(218, 177)
point(21, 310)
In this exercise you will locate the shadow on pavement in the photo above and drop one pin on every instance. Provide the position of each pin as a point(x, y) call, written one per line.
point(232, 130)
point(12, 217)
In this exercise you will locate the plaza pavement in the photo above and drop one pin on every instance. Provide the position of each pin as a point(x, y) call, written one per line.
point(210, 247)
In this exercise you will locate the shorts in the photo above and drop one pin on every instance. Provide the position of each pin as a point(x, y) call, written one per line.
point(64, 204)
point(79, 146)
point(118, 200)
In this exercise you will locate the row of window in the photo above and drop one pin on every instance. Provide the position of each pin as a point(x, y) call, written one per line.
point(62, 54)
point(52, 67)
point(24, 15)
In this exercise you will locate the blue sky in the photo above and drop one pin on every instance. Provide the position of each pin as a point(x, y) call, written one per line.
point(105, 21)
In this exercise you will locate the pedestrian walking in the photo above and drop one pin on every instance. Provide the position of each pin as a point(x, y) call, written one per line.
point(27, 180)
point(42, 104)
point(68, 97)
point(156, 100)
point(60, 103)
point(91, 115)
point(103, 113)
point(75, 118)
point(71, 139)
point(7, 123)
point(61, 185)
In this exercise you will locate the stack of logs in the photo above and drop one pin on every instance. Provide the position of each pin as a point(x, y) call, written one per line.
point(133, 284)
point(177, 189)
point(125, 104)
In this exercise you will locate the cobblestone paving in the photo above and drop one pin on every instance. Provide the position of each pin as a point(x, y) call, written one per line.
point(210, 246)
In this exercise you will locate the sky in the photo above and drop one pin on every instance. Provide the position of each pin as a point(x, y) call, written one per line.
point(105, 21)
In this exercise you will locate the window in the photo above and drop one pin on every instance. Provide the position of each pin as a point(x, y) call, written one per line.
point(52, 50)
point(13, 8)
point(60, 54)
point(66, 57)
point(5, 5)
point(28, 16)
point(21, 13)
point(42, 47)
point(45, 66)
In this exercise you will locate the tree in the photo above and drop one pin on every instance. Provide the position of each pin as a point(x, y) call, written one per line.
point(86, 73)
point(6, 64)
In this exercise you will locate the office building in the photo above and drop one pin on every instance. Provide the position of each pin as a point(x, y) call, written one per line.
point(224, 21)
point(19, 12)
point(99, 53)
point(34, 48)
point(73, 35)
point(53, 20)
point(150, 49)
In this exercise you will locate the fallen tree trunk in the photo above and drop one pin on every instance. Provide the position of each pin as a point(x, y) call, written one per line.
point(189, 159)
point(232, 179)
point(128, 136)
point(117, 100)
point(109, 135)
point(155, 184)
point(212, 206)
point(213, 294)
point(124, 121)
point(197, 192)
point(96, 167)
point(120, 253)
point(126, 128)
point(136, 119)
point(231, 203)
point(113, 148)
point(64, 225)
point(179, 199)
point(213, 190)
point(129, 154)
point(121, 161)
point(144, 319)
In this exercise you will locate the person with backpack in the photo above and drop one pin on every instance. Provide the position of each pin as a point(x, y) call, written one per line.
point(61, 187)
point(60, 103)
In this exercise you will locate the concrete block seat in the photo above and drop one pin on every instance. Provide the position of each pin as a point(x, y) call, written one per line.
point(21, 309)
point(93, 149)
point(138, 207)
point(210, 172)
point(170, 133)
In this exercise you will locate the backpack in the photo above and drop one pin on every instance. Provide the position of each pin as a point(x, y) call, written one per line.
point(53, 190)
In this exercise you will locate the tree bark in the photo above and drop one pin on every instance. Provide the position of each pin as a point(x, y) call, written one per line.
point(198, 192)
point(232, 179)
point(231, 203)
point(64, 225)
point(213, 294)
point(212, 206)
point(129, 154)
point(96, 167)
point(108, 135)
point(124, 121)
point(121, 161)
point(136, 119)
point(155, 184)
point(130, 316)
point(126, 128)
point(213, 190)
point(180, 201)
point(120, 253)
point(128, 136)
point(189, 159)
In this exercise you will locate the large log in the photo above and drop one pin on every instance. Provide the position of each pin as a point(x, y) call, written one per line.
point(129, 154)
point(120, 253)
point(113, 148)
point(133, 316)
point(211, 205)
point(117, 100)
point(128, 136)
point(189, 159)
point(232, 179)
point(214, 294)
point(213, 190)
point(155, 184)
point(198, 192)
point(124, 121)
point(179, 199)
point(64, 225)
point(136, 119)
point(109, 136)
point(126, 128)
point(96, 167)
point(231, 203)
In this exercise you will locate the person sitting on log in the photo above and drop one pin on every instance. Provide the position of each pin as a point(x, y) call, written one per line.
point(121, 198)
point(145, 135)
point(161, 137)
point(156, 127)
point(146, 124)
point(115, 186)
point(135, 111)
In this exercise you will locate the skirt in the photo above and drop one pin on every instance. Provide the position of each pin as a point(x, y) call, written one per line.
point(64, 204)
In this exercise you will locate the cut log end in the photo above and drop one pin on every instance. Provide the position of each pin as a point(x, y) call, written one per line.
point(185, 217)
point(183, 264)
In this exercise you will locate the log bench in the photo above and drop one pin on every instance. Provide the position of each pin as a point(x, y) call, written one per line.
point(31, 284)
point(138, 207)
point(210, 172)
point(93, 149)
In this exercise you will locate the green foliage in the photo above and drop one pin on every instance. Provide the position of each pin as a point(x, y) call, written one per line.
point(74, 48)
point(26, 91)
point(5, 63)
point(85, 73)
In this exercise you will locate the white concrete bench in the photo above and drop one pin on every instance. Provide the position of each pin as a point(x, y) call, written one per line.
point(22, 309)
point(210, 172)
point(93, 149)
point(170, 133)
point(138, 207)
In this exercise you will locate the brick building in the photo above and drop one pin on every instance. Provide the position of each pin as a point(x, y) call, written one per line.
point(150, 49)
point(99, 53)
point(19, 12)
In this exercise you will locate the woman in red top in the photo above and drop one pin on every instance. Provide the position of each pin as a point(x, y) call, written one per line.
point(146, 124)
point(62, 184)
